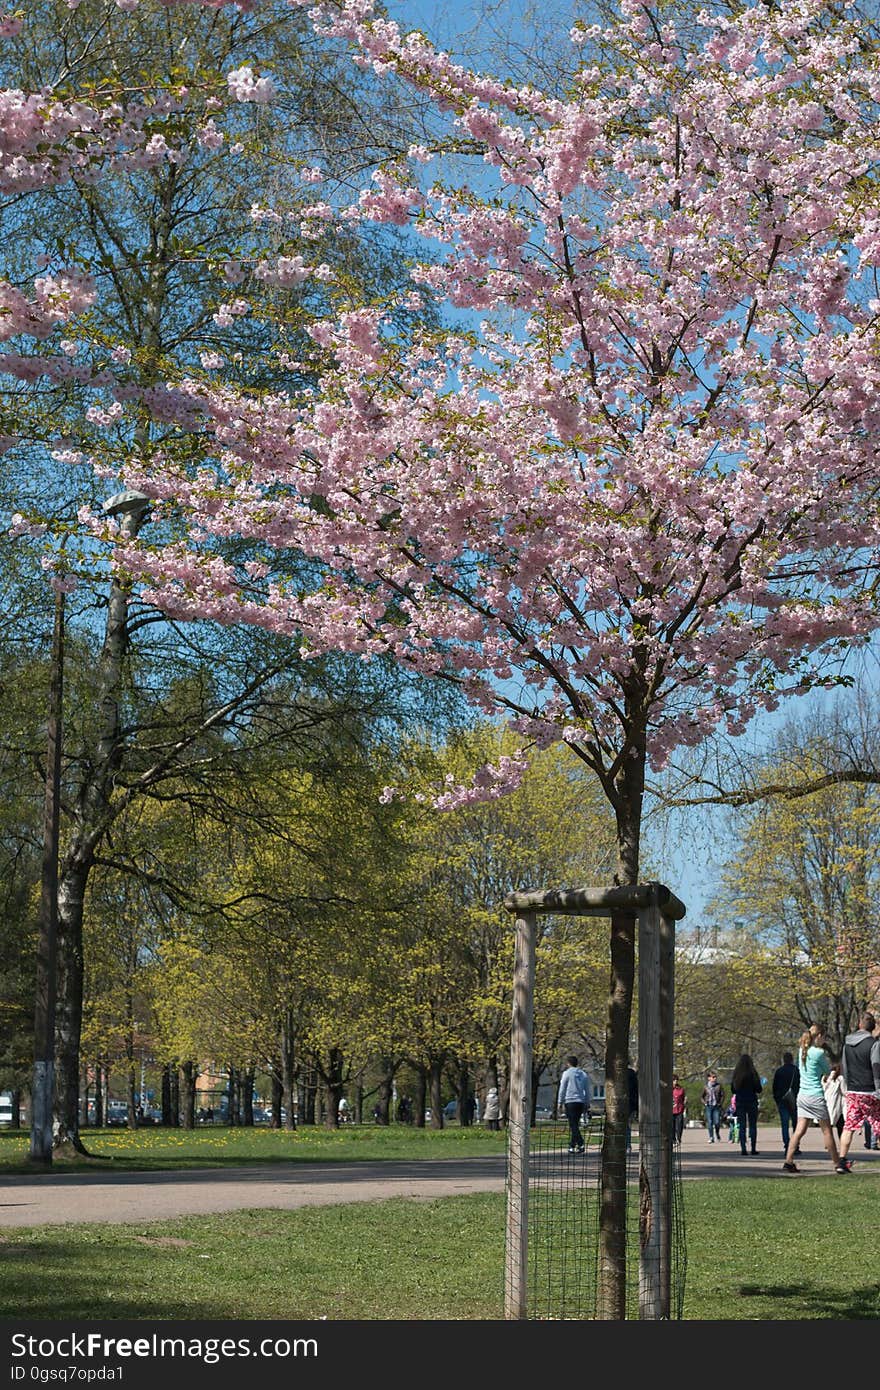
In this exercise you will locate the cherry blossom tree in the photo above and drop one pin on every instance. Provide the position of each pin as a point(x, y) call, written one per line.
point(628, 494)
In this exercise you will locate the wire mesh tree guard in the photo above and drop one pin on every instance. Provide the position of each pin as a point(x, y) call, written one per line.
point(553, 1203)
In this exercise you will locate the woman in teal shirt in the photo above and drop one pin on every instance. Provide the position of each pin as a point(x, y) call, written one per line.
point(814, 1067)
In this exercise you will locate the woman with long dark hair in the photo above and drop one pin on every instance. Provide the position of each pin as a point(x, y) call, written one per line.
point(746, 1086)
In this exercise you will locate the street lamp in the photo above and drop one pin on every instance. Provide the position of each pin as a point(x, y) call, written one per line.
point(131, 506)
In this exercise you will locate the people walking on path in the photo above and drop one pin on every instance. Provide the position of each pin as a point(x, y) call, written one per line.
point(814, 1067)
point(713, 1101)
point(786, 1080)
point(575, 1095)
point(746, 1086)
point(860, 1064)
point(679, 1108)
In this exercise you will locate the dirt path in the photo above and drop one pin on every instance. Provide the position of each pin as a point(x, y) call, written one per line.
point(126, 1197)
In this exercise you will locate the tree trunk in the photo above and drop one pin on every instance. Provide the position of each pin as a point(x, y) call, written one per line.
point(464, 1096)
point(167, 1118)
point(611, 1292)
point(16, 1108)
point(232, 1099)
point(188, 1107)
point(359, 1104)
point(131, 1095)
point(247, 1098)
point(536, 1078)
point(421, 1099)
point(100, 1082)
point(437, 1095)
point(277, 1099)
point(174, 1086)
point(333, 1088)
point(288, 1069)
point(101, 762)
point(69, 1007)
point(386, 1090)
point(309, 1098)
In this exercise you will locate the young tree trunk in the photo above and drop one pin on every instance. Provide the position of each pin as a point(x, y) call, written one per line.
point(359, 1104)
point(611, 1292)
point(16, 1108)
point(188, 1117)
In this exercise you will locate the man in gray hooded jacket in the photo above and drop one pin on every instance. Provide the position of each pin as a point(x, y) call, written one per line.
point(575, 1094)
point(860, 1064)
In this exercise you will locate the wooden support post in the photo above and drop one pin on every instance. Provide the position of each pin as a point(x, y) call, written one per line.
point(667, 1066)
point(516, 1242)
point(650, 1191)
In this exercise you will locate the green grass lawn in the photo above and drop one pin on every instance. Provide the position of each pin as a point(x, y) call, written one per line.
point(217, 1146)
point(757, 1249)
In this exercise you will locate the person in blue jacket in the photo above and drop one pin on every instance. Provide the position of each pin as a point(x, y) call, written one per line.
point(575, 1095)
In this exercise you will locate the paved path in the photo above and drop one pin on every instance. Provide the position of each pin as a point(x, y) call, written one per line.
point(132, 1198)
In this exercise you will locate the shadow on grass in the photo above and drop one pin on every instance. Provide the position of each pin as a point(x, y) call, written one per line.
point(55, 1280)
point(819, 1300)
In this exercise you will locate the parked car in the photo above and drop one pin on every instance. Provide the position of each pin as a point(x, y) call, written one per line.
point(116, 1113)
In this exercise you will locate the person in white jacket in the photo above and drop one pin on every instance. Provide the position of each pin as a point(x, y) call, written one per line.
point(575, 1095)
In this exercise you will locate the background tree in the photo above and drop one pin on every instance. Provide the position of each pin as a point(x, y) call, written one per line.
point(805, 882)
point(155, 213)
